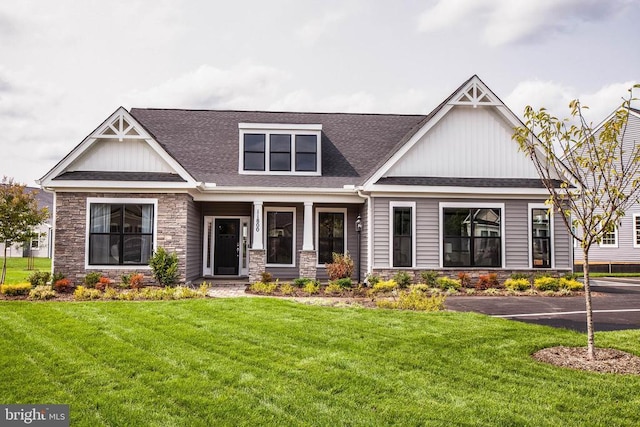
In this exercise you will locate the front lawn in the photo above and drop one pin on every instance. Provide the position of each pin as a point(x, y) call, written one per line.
point(263, 361)
point(17, 268)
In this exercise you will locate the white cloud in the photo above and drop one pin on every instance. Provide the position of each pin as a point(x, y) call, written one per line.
point(556, 97)
point(508, 21)
point(313, 30)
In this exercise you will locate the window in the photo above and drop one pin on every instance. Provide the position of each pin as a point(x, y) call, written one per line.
point(330, 233)
point(254, 148)
point(280, 236)
point(120, 233)
point(472, 237)
point(636, 230)
point(610, 239)
point(279, 149)
point(402, 232)
point(540, 238)
point(35, 243)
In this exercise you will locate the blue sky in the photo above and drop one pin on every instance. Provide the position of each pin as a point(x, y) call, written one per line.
point(66, 65)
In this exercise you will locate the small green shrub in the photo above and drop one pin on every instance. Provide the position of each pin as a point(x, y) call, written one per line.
point(517, 276)
point(403, 279)
point(570, 284)
point(125, 281)
point(546, 283)
point(445, 283)
point(341, 267)
point(57, 276)
point(17, 289)
point(301, 281)
point(384, 287)
point(345, 282)
point(372, 279)
point(570, 276)
point(42, 292)
point(521, 284)
point(91, 279)
point(263, 288)
point(414, 300)
point(164, 266)
point(311, 288)
point(430, 278)
point(287, 289)
point(83, 293)
point(39, 278)
point(334, 288)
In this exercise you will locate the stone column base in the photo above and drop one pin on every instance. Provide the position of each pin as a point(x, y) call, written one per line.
point(257, 264)
point(308, 261)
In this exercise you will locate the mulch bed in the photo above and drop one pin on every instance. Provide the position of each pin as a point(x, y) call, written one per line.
point(607, 360)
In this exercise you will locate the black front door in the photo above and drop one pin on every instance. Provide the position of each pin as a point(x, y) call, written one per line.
point(226, 257)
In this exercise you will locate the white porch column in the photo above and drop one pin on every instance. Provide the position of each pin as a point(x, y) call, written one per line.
point(307, 242)
point(258, 225)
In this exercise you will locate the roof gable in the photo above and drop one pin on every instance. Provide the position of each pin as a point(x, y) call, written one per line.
point(117, 148)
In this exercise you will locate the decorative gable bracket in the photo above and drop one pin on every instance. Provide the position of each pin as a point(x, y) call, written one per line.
point(475, 94)
point(119, 127)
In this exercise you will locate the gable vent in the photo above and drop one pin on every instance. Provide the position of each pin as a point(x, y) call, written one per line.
point(119, 128)
point(474, 95)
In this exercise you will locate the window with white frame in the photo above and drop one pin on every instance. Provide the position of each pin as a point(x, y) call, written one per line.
point(120, 232)
point(540, 238)
point(402, 230)
point(279, 149)
point(330, 233)
point(281, 236)
point(636, 230)
point(610, 239)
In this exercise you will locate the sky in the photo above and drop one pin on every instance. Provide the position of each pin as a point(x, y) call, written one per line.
point(66, 65)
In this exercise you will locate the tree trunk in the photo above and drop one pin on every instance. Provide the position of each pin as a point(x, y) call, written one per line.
point(591, 355)
point(4, 265)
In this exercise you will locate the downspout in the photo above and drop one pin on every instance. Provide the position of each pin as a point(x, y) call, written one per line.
point(369, 230)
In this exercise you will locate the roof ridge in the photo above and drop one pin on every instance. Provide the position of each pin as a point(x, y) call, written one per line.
point(275, 112)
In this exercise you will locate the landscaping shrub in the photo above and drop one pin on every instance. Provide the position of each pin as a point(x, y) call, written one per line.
point(486, 281)
point(517, 276)
point(341, 267)
point(103, 283)
point(546, 283)
point(91, 279)
point(311, 288)
point(414, 300)
point(521, 284)
point(384, 287)
point(403, 279)
point(345, 282)
point(42, 292)
point(570, 276)
point(445, 283)
point(430, 278)
point(57, 276)
point(110, 293)
point(263, 288)
point(301, 281)
point(39, 278)
point(334, 288)
point(372, 279)
point(266, 277)
point(164, 266)
point(15, 290)
point(570, 284)
point(136, 281)
point(287, 289)
point(62, 285)
point(421, 287)
point(83, 293)
point(464, 279)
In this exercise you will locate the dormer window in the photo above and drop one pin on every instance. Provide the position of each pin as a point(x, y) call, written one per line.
point(278, 149)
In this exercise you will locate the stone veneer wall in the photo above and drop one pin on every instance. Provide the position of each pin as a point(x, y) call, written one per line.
point(71, 233)
point(257, 264)
point(308, 261)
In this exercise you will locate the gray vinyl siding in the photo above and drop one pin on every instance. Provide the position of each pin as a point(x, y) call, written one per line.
point(516, 236)
point(194, 241)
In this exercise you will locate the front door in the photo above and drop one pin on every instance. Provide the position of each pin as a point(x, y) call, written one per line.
point(227, 247)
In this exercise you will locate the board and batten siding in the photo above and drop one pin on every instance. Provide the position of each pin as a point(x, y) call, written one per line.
point(467, 142)
point(517, 241)
point(130, 155)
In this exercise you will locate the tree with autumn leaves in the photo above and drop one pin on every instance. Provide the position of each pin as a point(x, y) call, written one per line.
point(599, 173)
point(19, 213)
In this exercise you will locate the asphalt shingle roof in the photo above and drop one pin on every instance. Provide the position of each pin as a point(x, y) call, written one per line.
point(206, 143)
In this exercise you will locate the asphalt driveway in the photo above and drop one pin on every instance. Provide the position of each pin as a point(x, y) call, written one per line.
point(616, 306)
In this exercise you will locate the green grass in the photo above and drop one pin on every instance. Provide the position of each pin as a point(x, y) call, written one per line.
point(580, 274)
point(262, 361)
point(17, 268)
